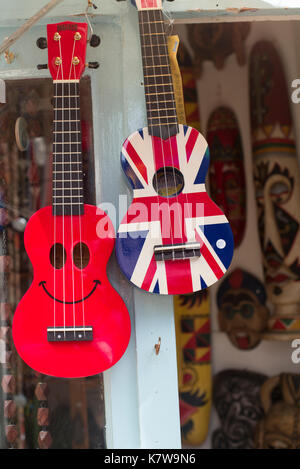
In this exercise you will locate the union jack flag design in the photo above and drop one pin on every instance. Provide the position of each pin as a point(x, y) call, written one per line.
point(189, 216)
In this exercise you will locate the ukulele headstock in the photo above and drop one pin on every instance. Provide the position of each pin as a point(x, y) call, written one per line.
point(67, 43)
point(147, 4)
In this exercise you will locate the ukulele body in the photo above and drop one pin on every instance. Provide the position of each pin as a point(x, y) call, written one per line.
point(68, 299)
point(187, 216)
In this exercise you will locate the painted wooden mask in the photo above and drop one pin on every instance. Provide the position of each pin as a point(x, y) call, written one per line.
point(280, 428)
point(243, 314)
point(227, 177)
point(236, 397)
point(277, 182)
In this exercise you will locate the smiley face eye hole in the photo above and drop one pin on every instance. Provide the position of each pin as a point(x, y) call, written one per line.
point(58, 256)
point(81, 255)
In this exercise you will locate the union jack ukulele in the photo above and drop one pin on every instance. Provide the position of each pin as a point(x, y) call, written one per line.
point(71, 323)
point(174, 239)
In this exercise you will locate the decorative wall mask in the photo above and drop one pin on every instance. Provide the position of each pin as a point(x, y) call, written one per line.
point(237, 401)
point(217, 41)
point(227, 177)
point(280, 428)
point(192, 319)
point(243, 314)
point(277, 181)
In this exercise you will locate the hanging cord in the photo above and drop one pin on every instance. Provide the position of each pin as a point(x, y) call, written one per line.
point(29, 23)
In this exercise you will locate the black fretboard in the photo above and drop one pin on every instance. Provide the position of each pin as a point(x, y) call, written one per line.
point(159, 92)
point(67, 196)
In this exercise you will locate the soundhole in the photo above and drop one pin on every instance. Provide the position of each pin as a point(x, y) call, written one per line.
point(81, 255)
point(168, 181)
point(58, 256)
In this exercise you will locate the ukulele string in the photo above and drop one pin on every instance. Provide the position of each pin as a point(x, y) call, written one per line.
point(63, 186)
point(168, 123)
point(154, 165)
point(164, 45)
point(182, 221)
point(71, 183)
point(79, 168)
point(54, 165)
point(160, 129)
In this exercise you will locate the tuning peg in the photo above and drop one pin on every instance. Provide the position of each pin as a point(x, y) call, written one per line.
point(93, 65)
point(42, 43)
point(42, 66)
point(95, 40)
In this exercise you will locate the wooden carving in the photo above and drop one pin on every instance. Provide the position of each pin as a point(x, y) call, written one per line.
point(280, 427)
point(216, 41)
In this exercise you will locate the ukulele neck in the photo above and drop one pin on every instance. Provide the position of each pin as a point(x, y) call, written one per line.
point(67, 195)
point(159, 92)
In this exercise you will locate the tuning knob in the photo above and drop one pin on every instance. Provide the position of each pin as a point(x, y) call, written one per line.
point(93, 65)
point(95, 41)
point(42, 43)
point(42, 66)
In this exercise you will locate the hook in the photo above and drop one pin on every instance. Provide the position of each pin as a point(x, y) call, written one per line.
point(171, 22)
point(87, 14)
point(157, 346)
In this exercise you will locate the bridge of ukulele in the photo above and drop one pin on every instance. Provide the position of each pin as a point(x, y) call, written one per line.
point(174, 252)
point(70, 334)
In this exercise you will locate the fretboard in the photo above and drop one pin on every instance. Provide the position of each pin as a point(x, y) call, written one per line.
point(67, 196)
point(159, 92)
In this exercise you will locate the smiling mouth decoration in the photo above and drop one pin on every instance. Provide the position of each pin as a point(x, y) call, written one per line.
point(96, 282)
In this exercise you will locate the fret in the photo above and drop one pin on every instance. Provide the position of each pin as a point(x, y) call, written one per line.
point(158, 84)
point(162, 118)
point(64, 162)
point(65, 203)
point(66, 132)
point(67, 153)
point(63, 172)
point(67, 143)
point(66, 109)
point(151, 34)
point(158, 66)
point(71, 96)
point(69, 196)
point(74, 120)
point(165, 109)
point(158, 94)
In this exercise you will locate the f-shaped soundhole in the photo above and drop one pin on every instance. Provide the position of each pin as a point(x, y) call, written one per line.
point(168, 181)
point(81, 255)
point(58, 256)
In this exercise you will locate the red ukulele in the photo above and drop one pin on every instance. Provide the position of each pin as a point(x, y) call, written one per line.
point(71, 323)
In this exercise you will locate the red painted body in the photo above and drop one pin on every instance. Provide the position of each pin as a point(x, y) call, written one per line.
point(103, 308)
